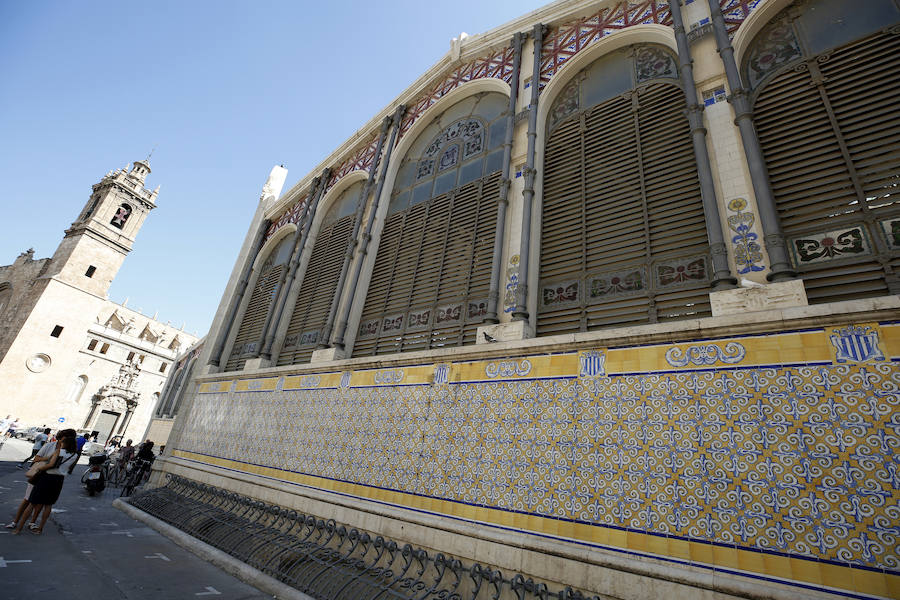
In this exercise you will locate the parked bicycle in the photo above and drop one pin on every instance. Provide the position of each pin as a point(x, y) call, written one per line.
point(140, 470)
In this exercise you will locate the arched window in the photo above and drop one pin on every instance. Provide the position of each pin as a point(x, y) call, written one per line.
point(76, 389)
point(321, 278)
point(429, 285)
point(261, 300)
point(90, 210)
point(623, 236)
point(825, 84)
point(175, 405)
point(121, 216)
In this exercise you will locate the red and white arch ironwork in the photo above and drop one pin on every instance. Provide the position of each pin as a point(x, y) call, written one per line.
point(498, 65)
point(567, 40)
point(292, 215)
point(561, 44)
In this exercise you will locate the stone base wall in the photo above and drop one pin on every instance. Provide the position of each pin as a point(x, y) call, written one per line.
point(757, 464)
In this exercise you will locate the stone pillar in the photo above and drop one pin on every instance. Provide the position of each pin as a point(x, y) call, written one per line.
point(722, 278)
point(337, 340)
point(503, 200)
point(780, 264)
point(351, 244)
point(521, 312)
point(288, 289)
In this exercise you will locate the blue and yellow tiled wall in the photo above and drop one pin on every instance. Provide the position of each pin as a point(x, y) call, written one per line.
point(773, 456)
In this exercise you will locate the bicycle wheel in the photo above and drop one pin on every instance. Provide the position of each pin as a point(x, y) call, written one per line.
point(114, 477)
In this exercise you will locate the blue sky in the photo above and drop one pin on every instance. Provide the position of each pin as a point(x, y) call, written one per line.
point(224, 90)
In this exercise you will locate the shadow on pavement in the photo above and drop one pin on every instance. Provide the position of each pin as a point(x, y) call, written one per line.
point(90, 549)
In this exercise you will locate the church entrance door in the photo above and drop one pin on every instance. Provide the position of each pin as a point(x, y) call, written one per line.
point(105, 423)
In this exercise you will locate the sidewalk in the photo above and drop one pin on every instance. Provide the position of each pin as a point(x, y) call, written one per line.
point(91, 550)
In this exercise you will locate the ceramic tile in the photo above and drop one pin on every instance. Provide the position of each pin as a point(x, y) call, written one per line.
point(710, 441)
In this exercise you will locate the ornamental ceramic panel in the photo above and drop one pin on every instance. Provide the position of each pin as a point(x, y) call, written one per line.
point(560, 293)
point(763, 444)
point(681, 271)
point(891, 229)
point(830, 245)
point(619, 283)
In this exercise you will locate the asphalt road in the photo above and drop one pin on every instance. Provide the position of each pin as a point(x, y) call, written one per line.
point(91, 550)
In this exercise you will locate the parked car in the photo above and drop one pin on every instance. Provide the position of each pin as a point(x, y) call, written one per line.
point(28, 433)
point(92, 448)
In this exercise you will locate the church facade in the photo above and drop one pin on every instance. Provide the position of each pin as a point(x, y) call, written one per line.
point(68, 355)
point(606, 301)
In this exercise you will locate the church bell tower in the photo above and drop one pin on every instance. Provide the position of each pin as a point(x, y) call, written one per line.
point(96, 244)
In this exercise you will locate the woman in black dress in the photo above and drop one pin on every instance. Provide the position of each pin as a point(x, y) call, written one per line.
point(48, 484)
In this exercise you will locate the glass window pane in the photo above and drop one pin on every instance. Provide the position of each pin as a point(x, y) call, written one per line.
point(445, 183)
point(461, 109)
point(494, 161)
point(470, 171)
point(492, 105)
point(284, 250)
point(605, 78)
point(831, 23)
point(344, 205)
point(398, 203)
point(405, 175)
point(498, 134)
point(421, 193)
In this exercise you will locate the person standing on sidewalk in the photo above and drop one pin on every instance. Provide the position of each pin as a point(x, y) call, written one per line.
point(48, 484)
point(80, 441)
point(39, 440)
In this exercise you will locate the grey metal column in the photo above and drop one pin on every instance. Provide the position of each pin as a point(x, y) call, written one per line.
point(351, 244)
point(216, 356)
point(722, 278)
point(503, 200)
point(337, 340)
point(173, 389)
point(780, 267)
point(279, 287)
point(189, 374)
point(520, 313)
point(166, 391)
point(274, 316)
point(182, 384)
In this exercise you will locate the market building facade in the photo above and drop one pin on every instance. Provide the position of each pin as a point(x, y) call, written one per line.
point(607, 299)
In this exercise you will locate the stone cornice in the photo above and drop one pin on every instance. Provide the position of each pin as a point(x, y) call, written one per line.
point(747, 323)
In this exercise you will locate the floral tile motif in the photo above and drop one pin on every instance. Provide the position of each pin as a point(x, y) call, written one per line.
point(747, 251)
point(797, 460)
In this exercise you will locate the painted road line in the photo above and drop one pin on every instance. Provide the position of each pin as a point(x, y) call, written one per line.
point(4, 562)
point(160, 555)
point(210, 591)
point(125, 533)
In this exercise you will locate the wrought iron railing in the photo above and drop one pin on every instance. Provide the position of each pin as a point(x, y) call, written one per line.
point(324, 559)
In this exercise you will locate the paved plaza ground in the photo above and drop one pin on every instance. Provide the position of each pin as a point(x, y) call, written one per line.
point(91, 550)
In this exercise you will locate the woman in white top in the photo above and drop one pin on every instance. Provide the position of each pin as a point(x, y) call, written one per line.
point(48, 485)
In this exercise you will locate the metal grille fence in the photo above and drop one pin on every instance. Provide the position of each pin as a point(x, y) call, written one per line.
point(324, 559)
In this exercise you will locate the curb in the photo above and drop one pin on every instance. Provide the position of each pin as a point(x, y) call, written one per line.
point(212, 555)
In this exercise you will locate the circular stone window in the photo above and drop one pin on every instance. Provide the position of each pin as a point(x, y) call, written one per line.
point(38, 363)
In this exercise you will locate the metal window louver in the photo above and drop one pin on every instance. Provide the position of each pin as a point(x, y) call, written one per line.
point(431, 276)
point(316, 292)
point(260, 303)
point(830, 132)
point(623, 237)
